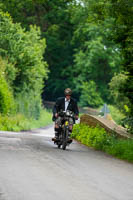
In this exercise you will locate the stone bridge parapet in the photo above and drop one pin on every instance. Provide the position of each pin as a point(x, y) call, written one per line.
point(108, 124)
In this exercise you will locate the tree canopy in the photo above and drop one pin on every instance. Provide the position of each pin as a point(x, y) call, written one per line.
point(89, 47)
point(24, 68)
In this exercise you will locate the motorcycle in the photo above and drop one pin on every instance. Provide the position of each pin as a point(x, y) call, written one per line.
point(64, 139)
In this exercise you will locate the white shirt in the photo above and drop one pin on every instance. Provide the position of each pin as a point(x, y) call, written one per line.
point(66, 103)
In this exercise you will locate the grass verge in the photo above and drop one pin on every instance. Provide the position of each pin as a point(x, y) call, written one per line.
point(19, 122)
point(99, 139)
point(116, 114)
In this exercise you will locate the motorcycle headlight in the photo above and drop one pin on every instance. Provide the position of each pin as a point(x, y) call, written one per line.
point(67, 113)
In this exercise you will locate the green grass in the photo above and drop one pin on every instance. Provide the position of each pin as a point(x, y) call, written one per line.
point(122, 149)
point(44, 120)
point(99, 139)
point(117, 116)
point(19, 122)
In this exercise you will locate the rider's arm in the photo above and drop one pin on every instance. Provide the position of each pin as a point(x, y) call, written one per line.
point(55, 111)
point(56, 107)
point(76, 110)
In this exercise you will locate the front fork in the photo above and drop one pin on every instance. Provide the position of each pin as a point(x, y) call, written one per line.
point(64, 131)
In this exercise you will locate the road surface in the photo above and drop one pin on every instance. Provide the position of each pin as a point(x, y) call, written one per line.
point(33, 168)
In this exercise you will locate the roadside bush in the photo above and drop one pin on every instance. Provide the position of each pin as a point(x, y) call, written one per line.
point(123, 101)
point(122, 149)
point(99, 139)
point(95, 137)
point(14, 123)
point(19, 122)
point(26, 70)
point(128, 123)
point(29, 105)
point(7, 104)
point(116, 114)
point(117, 85)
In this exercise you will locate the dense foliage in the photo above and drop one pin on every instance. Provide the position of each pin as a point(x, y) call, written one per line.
point(53, 17)
point(97, 58)
point(20, 122)
point(122, 33)
point(89, 48)
point(22, 70)
point(99, 139)
point(7, 104)
point(78, 48)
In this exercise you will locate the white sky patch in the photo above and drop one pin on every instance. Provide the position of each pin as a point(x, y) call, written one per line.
point(80, 2)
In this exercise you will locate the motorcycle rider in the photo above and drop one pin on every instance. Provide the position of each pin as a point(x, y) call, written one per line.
point(63, 104)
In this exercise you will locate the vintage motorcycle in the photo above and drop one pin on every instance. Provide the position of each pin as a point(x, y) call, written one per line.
point(64, 139)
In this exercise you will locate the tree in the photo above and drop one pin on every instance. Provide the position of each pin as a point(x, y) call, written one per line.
point(7, 103)
point(89, 95)
point(116, 86)
point(96, 57)
point(122, 34)
point(23, 50)
point(53, 18)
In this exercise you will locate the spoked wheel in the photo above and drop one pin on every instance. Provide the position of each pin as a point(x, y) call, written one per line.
point(59, 142)
point(64, 145)
point(65, 138)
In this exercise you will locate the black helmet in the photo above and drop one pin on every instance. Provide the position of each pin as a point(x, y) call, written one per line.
point(68, 91)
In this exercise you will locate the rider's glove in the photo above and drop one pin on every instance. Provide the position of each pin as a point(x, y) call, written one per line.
point(56, 115)
point(76, 117)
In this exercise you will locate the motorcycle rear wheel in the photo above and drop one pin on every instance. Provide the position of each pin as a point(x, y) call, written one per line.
point(64, 145)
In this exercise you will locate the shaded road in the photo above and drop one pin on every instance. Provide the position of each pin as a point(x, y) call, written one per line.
point(32, 168)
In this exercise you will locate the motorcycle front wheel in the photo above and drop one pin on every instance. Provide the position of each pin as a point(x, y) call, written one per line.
point(65, 137)
point(64, 145)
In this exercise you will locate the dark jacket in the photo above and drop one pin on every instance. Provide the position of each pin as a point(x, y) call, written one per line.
point(60, 105)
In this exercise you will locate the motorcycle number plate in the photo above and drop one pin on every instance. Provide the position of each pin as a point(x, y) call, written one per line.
point(66, 123)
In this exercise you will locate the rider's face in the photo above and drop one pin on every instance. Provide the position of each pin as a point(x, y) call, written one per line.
point(68, 97)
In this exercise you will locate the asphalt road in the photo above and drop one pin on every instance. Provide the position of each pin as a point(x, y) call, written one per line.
point(33, 168)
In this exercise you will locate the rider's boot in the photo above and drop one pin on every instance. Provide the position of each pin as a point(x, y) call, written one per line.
point(56, 135)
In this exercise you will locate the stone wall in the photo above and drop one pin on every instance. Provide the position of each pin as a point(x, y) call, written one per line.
point(109, 125)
